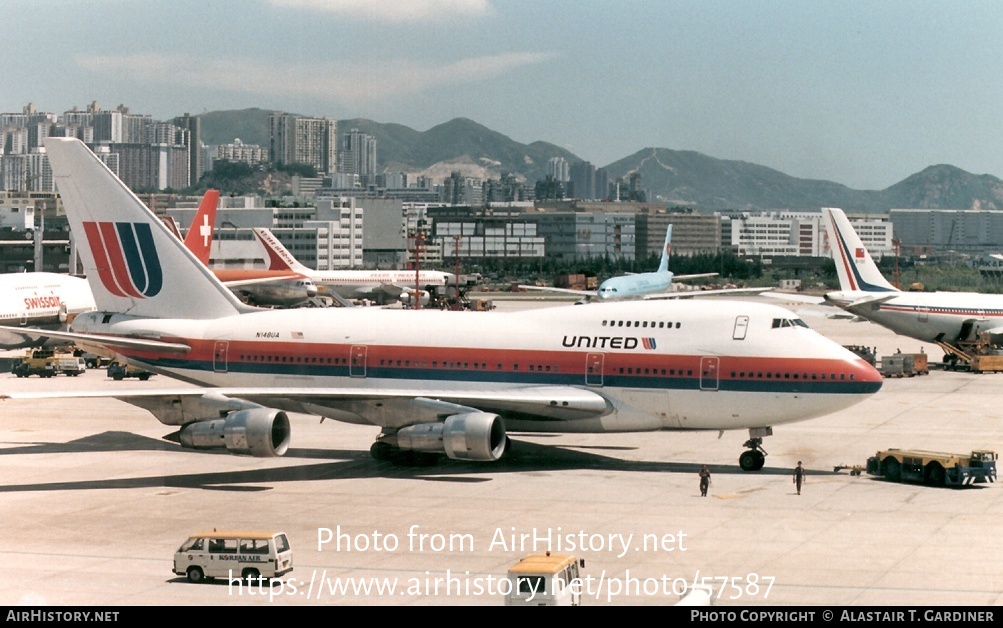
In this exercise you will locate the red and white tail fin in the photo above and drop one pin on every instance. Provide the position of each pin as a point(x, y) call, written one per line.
point(172, 226)
point(279, 257)
point(134, 264)
point(854, 266)
point(199, 238)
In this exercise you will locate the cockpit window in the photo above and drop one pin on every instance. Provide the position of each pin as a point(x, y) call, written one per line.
point(788, 322)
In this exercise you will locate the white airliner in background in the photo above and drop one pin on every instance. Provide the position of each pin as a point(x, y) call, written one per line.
point(39, 300)
point(281, 288)
point(645, 286)
point(435, 382)
point(380, 286)
point(948, 317)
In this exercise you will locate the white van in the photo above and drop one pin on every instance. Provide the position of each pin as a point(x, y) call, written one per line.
point(234, 554)
point(545, 580)
point(71, 366)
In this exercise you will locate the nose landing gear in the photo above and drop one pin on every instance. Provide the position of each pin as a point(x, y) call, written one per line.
point(755, 457)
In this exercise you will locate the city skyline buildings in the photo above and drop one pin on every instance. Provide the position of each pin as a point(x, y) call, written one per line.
point(838, 92)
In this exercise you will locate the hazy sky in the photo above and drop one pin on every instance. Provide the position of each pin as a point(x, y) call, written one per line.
point(861, 93)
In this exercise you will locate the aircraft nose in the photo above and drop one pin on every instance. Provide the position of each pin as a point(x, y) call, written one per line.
point(868, 375)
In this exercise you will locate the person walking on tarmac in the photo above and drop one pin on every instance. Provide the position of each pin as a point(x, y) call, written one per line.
point(799, 475)
point(704, 481)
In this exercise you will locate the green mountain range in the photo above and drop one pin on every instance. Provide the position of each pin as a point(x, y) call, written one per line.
point(671, 176)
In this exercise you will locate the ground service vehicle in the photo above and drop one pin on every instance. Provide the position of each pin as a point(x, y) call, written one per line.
point(246, 555)
point(545, 580)
point(119, 371)
point(934, 468)
point(69, 365)
point(40, 362)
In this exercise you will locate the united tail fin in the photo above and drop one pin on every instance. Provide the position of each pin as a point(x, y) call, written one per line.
point(663, 266)
point(133, 263)
point(279, 257)
point(199, 238)
point(856, 270)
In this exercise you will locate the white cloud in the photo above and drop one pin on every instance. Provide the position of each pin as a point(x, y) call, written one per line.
point(394, 10)
point(344, 83)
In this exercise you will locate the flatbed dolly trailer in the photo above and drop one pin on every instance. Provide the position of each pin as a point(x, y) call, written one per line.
point(934, 468)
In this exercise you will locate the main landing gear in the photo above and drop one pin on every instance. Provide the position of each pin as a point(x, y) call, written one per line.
point(403, 457)
point(755, 457)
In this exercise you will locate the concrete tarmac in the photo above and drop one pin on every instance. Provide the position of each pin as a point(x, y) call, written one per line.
point(94, 502)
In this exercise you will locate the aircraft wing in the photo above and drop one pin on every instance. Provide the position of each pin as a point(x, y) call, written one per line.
point(581, 293)
point(697, 276)
point(179, 406)
point(798, 299)
point(688, 294)
point(236, 283)
point(98, 341)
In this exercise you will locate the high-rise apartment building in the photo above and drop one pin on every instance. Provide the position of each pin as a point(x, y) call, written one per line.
point(299, 140)
point(357, 154)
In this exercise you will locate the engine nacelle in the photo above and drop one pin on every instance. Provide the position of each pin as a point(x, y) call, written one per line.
point(470, 436)
point(407, 297)
point(259, 432)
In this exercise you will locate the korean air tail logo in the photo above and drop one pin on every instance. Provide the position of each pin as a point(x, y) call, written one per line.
point(126, 258)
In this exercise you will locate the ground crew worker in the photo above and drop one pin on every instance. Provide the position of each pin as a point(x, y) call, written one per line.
point(799, 474)
point(704, 481)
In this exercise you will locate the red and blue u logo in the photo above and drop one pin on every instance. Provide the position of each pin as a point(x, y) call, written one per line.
point(126, 258)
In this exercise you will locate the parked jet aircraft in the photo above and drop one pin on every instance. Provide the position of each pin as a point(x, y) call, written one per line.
point(375, 285)
point(948, 317)
point(282, 288)
point(653, 285)
point(39, 300)
point(436, 382)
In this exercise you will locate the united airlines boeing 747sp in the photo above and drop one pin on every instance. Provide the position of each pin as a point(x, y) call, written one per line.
point(434, 382)
point(947, 317)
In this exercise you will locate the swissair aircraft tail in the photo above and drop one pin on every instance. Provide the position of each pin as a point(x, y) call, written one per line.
point(199, 238)
point(139, 268)
point(856, 270)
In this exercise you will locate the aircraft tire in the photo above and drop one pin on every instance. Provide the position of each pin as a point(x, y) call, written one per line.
point(892, 469)
point(751, 460)
point(383, 451)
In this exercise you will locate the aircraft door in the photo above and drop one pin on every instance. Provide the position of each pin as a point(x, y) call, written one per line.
point(708, 373)
point(741, 327)
point(219, 355)
point(357, 363)
point(924, 314)
point(594, 369)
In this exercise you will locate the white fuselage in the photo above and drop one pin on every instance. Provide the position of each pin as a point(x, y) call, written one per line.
point(930, 316)
point(659, 365)
point(374, 284)
point(40, 300)
point(632, 286)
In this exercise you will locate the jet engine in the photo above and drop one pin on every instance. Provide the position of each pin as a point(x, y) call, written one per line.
point(407, 297)
point(470, 436)
point(258, 432)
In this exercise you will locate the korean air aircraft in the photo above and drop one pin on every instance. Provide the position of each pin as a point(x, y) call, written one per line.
point(646, 286)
